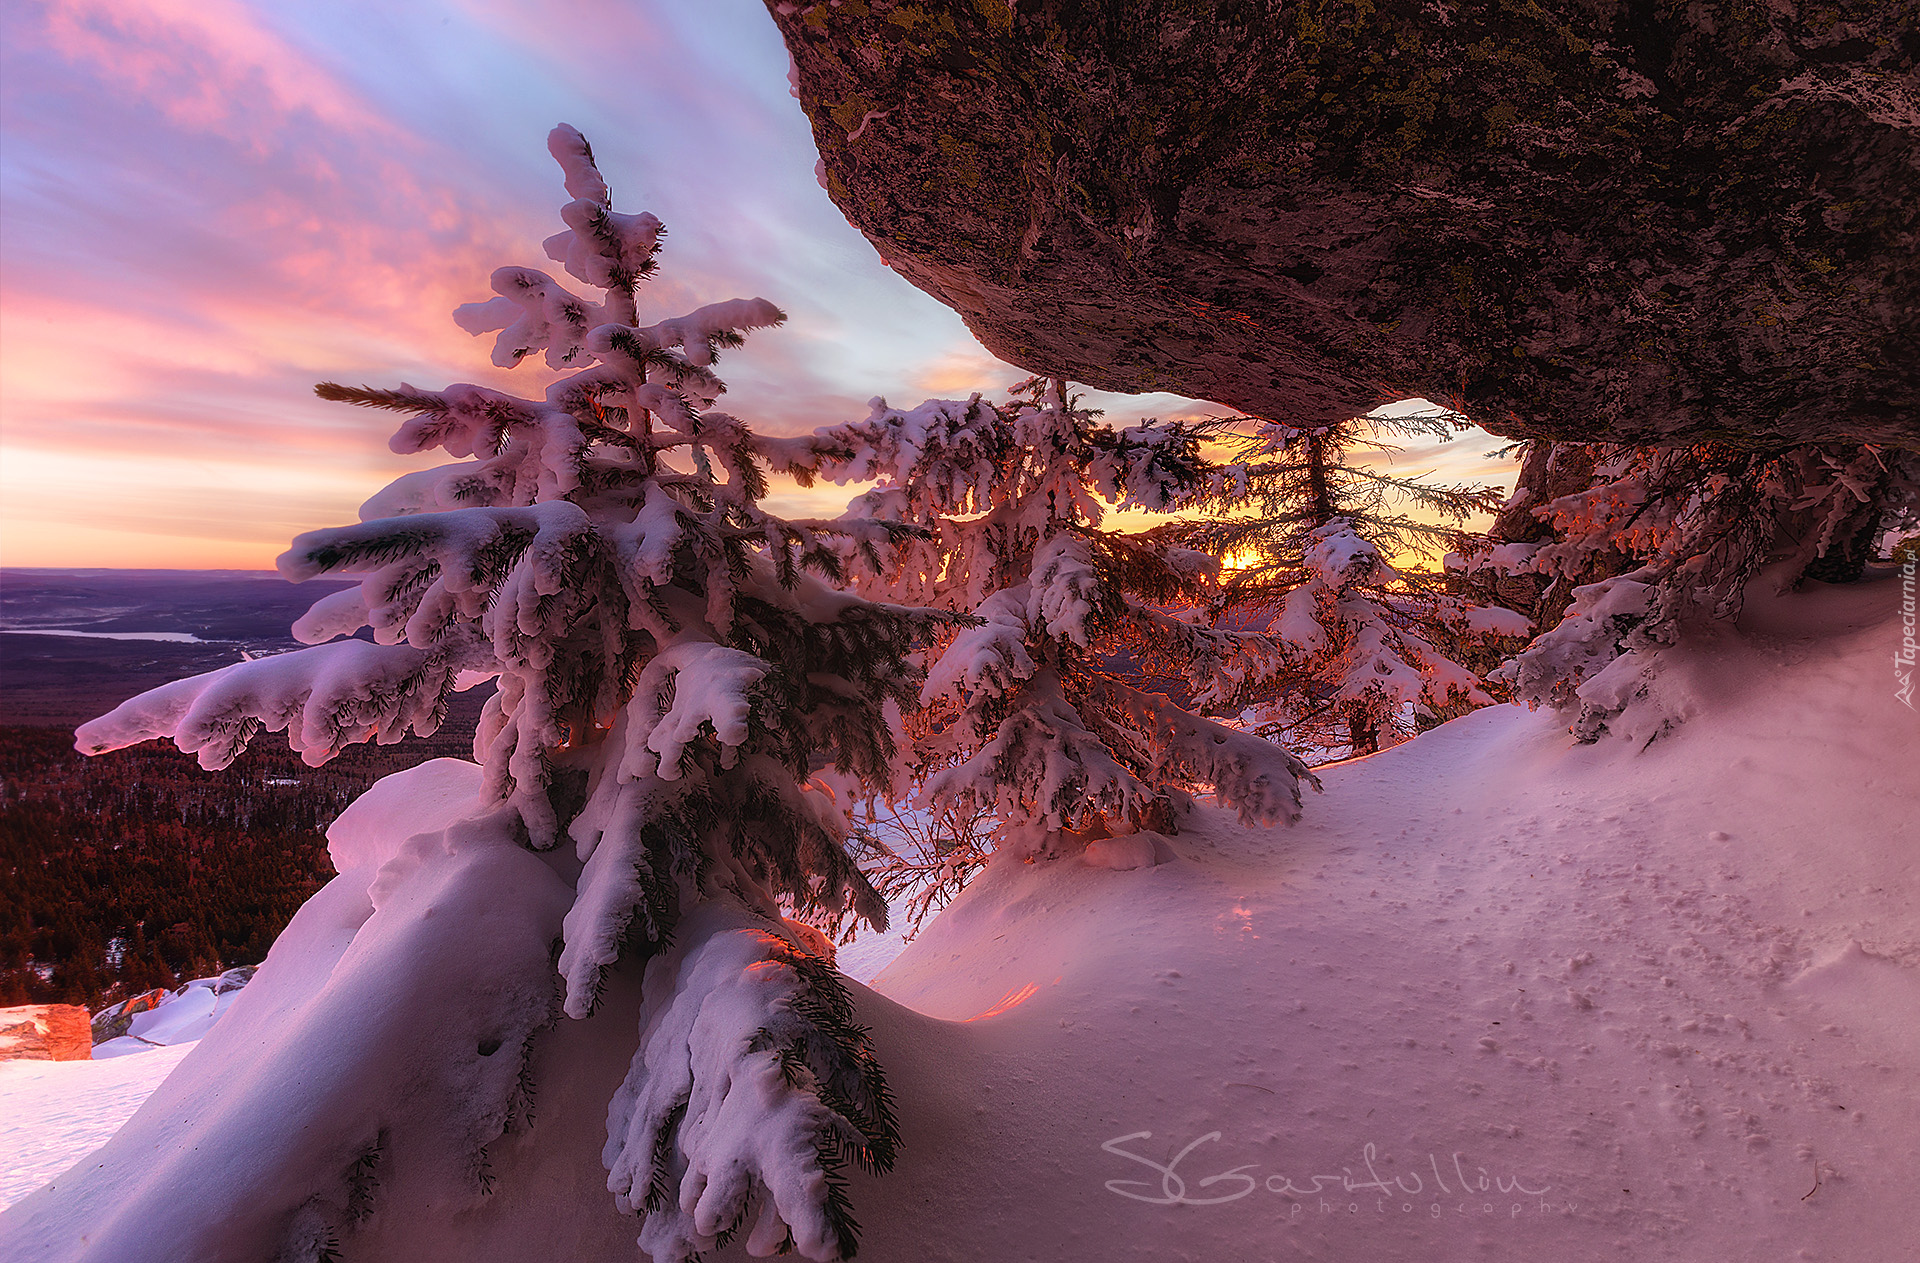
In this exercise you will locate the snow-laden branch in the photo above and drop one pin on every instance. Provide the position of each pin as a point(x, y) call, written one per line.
point(1043, 763)
point(751, 1091)
point(989, 658)
point(705, 329)
point(324, 699)
point(1255, 777)
point(687, 691)
point(533, 312)
point(626, 891)
point(1592, 634)
point(945, 454)
point(1153, 466)
point(463, 485)
point(1065, 592)
point(472, 548)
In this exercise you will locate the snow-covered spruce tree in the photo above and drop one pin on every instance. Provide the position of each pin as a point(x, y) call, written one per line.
point(1365, 648)
point(1670, 537)
point(1038, 712)
point(667, 672)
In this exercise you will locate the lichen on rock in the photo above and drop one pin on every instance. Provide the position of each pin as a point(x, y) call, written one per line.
point(1608, 221)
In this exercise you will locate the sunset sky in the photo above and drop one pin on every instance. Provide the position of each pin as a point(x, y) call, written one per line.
point(209, 205)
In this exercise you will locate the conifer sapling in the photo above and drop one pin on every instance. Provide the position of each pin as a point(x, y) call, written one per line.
point(668, 674)
point(1361, 648)
point(1036, 711)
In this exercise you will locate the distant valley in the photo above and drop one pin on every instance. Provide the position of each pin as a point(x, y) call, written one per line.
point(76, 643)
point(136, 869)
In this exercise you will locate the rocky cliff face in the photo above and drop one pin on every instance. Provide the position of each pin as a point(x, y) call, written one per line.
point(1582, 219)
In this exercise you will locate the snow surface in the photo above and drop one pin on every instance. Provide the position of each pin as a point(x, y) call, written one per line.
point(1652, 1003)
point(54, 1113)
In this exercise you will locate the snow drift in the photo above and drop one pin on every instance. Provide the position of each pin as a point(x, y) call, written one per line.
point(1497, 995)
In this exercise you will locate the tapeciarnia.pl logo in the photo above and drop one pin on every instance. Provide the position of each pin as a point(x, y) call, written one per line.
point(1903, 657)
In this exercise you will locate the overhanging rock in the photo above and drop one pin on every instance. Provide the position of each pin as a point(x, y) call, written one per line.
point(1609, 220)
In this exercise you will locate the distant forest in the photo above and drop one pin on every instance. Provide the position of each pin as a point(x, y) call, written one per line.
point(136, 869)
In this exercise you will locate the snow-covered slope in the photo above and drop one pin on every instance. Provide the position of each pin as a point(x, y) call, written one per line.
point(1631, 999)
point(53, 1113)
point(1496, 996)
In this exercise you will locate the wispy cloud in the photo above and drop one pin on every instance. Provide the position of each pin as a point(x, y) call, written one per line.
point(211, 204)
point(205, 66)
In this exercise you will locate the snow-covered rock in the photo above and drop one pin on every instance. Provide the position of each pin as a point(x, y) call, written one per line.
point(165, 1018)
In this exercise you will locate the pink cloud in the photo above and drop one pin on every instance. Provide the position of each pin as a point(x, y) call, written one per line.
point(211, 204)
point(206, 65)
